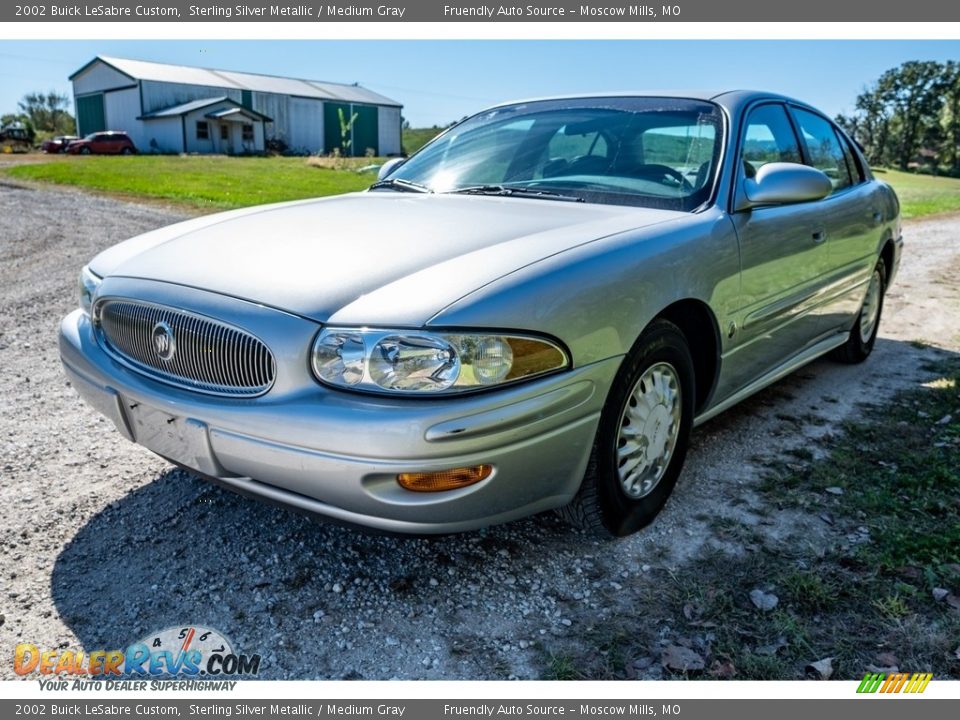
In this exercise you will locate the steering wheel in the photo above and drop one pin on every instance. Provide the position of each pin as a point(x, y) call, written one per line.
point(666, 171)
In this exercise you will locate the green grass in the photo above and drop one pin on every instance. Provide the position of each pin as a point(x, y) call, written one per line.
point(922, 195)
point(214, 182)
point(217, 182)
point(415, 138)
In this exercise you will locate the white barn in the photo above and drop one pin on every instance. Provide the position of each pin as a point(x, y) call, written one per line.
point(177, 108)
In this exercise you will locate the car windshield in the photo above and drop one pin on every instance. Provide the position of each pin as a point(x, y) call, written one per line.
point(91, 136)
point(648, 152)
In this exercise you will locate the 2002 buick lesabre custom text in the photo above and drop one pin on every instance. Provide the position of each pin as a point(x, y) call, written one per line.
point(532, 312)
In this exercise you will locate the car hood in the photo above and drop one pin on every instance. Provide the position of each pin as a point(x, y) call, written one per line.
point(367, 258)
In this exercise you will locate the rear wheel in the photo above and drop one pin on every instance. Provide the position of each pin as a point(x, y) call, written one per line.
point(126, 151)
point(642, 438)
point(863, 335)
point(84, 151)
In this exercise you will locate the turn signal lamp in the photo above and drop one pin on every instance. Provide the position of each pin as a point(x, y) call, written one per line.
point(444, 479)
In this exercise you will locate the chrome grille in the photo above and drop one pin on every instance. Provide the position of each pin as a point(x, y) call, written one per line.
point(208, 355)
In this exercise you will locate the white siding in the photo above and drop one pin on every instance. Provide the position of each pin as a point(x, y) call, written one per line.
point(388, 130)
point(164, 135)
point(305, 129)
point(99, 77)
point(162, 95)
point(121, 110)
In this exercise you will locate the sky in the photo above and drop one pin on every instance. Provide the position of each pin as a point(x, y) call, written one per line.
point(441, 81)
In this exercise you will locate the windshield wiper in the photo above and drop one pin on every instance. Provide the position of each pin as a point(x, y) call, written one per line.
point(505, 191)
point(400, 185)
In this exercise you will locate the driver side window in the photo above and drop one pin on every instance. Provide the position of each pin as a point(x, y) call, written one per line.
point(769, 137)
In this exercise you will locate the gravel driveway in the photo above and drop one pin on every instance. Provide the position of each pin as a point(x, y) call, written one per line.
point(101, 542)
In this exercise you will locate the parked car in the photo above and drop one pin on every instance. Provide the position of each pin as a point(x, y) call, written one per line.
point(530, 313)
point(110, 142)
point(57, 144)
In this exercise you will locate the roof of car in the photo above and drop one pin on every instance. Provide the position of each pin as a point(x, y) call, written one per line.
point(726, 98)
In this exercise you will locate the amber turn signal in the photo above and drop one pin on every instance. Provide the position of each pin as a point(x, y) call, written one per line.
point(445, 479)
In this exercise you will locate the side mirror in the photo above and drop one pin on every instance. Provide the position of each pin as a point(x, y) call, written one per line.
point(389, 166)
point(783, 184)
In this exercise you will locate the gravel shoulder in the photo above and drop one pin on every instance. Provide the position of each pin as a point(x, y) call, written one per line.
point(102, 542)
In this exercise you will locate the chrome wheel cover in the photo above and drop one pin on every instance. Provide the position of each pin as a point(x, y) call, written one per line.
point(648, 430)
point(871, 308)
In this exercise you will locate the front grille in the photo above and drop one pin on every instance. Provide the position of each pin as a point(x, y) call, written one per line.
point(185, 349)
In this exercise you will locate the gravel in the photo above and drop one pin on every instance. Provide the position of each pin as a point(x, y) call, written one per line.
point(102, 542)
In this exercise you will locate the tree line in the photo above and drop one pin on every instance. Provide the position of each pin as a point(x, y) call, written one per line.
point(43, 114)
point(910, 118)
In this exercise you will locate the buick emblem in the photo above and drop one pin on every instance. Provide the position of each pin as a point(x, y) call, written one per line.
point(164, 343)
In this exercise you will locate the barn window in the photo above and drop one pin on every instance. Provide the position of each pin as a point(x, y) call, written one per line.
point(247, 133)
point(224, 132)
point(203, 130)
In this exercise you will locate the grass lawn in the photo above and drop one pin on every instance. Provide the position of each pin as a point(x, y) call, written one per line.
point(922, 194)
point(214, 182)
point(416, 138)
point(217, 182)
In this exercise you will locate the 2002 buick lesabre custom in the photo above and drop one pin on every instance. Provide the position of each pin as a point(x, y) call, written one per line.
point(532, 312)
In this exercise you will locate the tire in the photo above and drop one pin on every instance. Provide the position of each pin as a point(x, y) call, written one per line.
point(126, 151)
point(85, 151)
point(863, 334)
point(614, 499)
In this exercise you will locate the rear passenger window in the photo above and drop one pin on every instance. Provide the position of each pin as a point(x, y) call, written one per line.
point(769, 137)
point(823, 145)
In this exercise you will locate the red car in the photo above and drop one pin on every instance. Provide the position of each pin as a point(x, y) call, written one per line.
point(58, 144)
point(108, 142)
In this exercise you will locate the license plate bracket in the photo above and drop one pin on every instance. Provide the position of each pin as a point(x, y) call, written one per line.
point(182, 440)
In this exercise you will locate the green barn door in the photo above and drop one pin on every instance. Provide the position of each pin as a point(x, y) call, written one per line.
point(365, 135)
point(365, 128)
point(90, 115)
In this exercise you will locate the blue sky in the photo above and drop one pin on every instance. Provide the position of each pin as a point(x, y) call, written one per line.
point(441, 81)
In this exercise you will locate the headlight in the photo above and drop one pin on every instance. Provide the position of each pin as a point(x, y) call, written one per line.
point(88, 288)
point(413, 362)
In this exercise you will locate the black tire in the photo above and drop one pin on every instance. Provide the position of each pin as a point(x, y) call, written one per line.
point(126, 151)
point(856, 349)
point(602, 506)
point(84, 151)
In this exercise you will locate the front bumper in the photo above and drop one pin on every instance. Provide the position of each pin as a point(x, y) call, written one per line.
point(337, 454)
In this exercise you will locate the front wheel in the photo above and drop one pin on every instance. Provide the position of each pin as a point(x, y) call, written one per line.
point(863, 335)
point(642, 438)
point(85, 151)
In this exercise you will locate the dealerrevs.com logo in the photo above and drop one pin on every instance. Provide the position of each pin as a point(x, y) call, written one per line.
point(191, 651)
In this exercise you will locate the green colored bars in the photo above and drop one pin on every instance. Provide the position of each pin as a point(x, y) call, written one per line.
point(894, 683)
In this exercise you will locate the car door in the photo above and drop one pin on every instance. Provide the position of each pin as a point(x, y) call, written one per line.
point(852, 217)
point(783, 257)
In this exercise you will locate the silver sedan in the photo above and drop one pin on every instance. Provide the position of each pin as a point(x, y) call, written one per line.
point(530, 313)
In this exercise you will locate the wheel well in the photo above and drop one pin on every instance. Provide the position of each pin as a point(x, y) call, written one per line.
point(696, 321)
point(887, 255)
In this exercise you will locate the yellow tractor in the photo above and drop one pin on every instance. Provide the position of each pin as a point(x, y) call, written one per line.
point(14, 139)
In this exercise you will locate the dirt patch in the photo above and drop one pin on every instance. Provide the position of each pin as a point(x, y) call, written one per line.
point(102, 542)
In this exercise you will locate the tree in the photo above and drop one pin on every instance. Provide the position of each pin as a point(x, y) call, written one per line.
point(951, 116)
point(48, 112)
point(914, 92)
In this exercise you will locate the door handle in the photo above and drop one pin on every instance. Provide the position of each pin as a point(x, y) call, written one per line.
point(819, 236)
